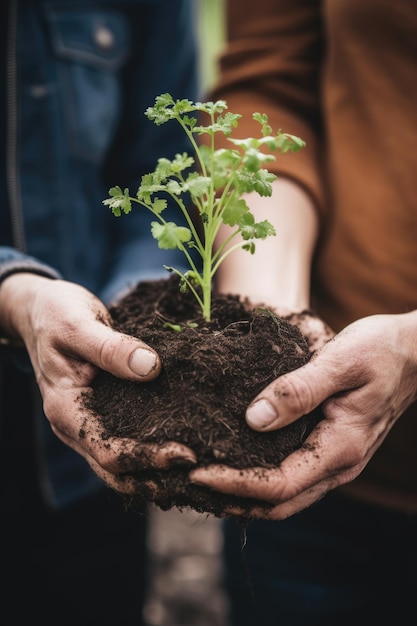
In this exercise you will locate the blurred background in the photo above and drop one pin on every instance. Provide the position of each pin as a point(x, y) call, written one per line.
point(186, 573)
point(211, 30)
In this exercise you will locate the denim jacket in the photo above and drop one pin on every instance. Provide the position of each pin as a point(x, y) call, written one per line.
point(79, 77)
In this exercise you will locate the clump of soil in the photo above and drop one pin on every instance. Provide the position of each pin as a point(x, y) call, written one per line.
point(210, 373)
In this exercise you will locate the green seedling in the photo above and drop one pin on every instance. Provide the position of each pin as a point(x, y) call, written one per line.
point(216, 186)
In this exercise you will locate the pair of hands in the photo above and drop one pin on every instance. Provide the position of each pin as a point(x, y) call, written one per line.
point(364, 378)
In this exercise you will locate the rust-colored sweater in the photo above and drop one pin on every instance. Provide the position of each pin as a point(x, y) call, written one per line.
point(342, 74)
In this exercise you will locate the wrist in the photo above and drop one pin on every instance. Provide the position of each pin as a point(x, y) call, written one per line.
point(16, 293)
point(408, 334)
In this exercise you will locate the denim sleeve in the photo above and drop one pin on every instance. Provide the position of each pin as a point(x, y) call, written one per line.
point(12, 261)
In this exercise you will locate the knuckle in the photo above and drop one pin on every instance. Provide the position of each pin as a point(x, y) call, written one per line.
point(296, 392)
point(107, 349)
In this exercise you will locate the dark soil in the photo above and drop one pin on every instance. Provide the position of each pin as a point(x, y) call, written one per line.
point(209, 375)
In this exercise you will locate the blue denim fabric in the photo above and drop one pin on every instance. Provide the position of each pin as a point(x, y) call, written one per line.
point(85, 72)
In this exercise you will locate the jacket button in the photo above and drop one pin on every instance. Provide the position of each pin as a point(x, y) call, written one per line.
point(104, 37)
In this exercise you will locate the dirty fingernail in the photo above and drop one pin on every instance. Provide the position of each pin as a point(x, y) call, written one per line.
point(142, 362)
point(261, 414)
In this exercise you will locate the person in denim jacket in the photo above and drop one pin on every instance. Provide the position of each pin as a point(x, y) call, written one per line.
point(78, 78)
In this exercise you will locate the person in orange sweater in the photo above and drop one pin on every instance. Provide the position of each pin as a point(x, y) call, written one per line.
point(342, 76)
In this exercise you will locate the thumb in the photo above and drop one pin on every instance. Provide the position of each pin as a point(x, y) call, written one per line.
point(295, 394)
point(122, 355)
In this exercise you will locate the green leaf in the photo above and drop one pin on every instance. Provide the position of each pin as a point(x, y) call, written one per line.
point(223, 124)
point(263, 180)
point(119, 201)
point(262, 118)
point(158, 205)
point(254, 159)
point(264, 229)
point(169, 235)
point(289, 143)
point(255, 181)
point(250, 247)
point(235, 212)
point(198, 186)
point(175, 327)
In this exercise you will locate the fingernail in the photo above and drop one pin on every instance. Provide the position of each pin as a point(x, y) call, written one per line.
point(142, 362)
point(261, 413)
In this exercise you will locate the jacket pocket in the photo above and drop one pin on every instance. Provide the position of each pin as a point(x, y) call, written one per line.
point(90, 49)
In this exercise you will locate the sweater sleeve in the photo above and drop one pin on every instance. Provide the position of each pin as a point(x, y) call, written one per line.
point(271, 63)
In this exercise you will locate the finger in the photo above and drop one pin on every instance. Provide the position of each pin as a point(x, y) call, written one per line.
point(83, 431)
point(118, 477)
point(295, 394)
point(323, 457)
point(170, 455)
point(122, 455)
point(122, 483)
point(120, 354)
point(286, 509)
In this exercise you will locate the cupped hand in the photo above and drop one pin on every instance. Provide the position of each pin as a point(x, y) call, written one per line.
point(364, 379)
point(68, 335)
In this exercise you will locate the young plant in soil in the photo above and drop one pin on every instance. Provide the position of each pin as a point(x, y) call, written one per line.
point(216, 192)
point(226, 351)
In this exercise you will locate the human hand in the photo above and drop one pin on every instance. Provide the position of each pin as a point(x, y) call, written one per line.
point(364, 379)
point(68, 335)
